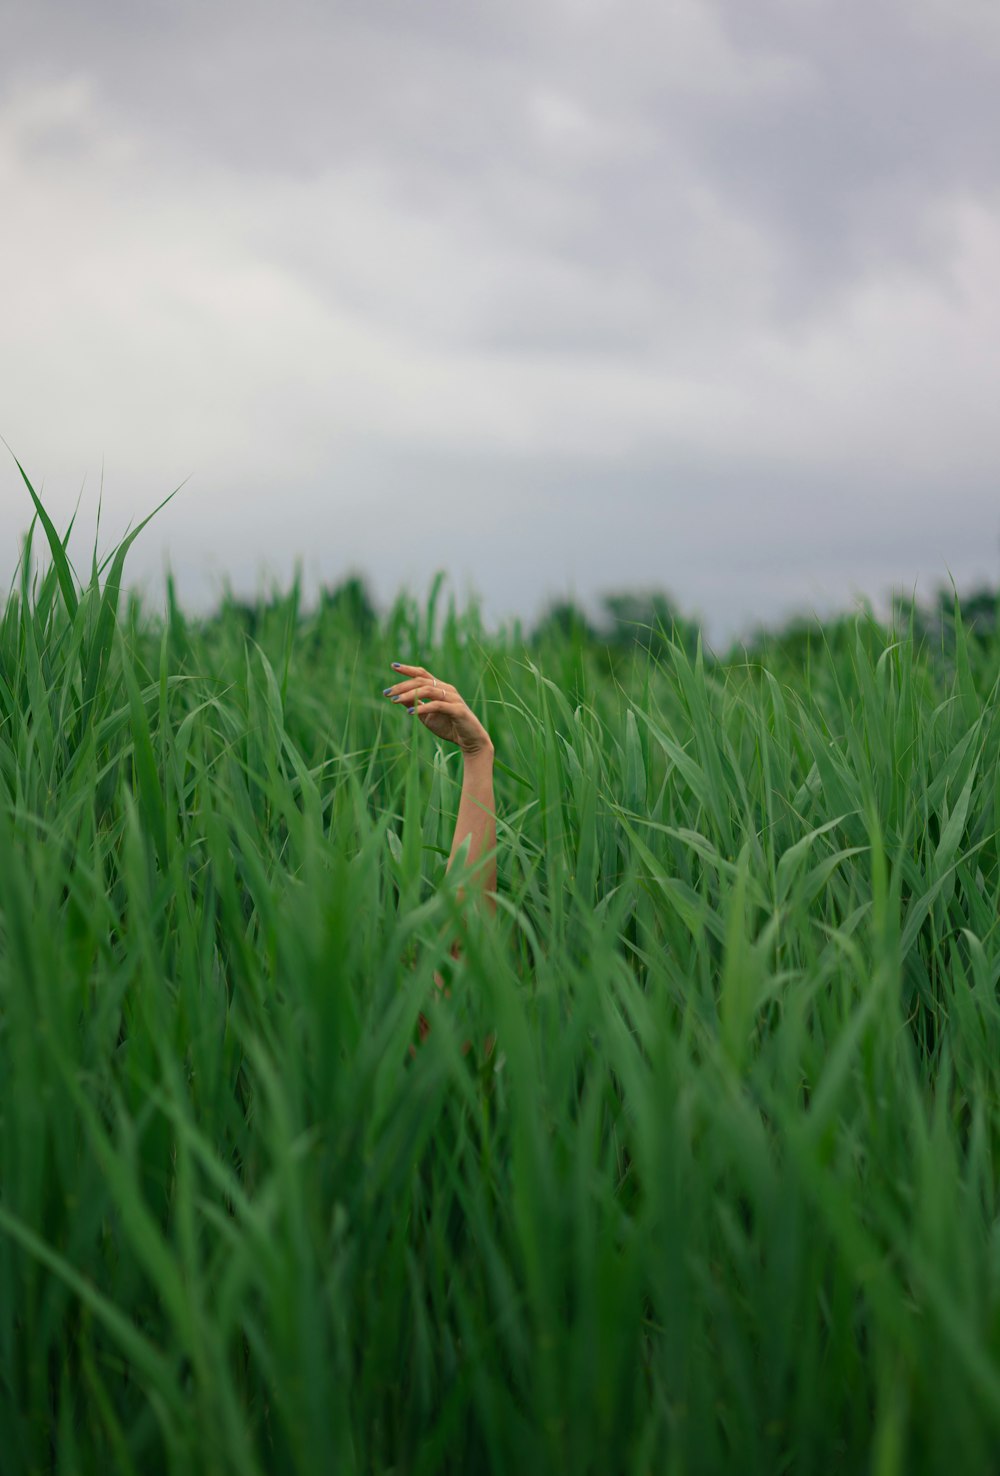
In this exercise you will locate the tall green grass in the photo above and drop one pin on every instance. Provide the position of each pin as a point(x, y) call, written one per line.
point(723, 1197)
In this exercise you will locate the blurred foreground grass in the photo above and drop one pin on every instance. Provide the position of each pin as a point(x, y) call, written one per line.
point(724, 1197)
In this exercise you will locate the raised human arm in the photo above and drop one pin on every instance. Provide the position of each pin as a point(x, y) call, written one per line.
point(442, 709)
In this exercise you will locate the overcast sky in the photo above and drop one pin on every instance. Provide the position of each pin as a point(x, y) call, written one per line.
point(557, 295)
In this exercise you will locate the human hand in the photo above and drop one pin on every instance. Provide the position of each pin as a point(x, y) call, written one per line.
point(440, 707)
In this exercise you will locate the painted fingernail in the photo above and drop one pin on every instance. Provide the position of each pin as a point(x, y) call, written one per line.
point(410, 709)
point(386, 691)
point(395, 665)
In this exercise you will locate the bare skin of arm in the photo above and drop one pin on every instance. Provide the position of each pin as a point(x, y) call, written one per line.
point(440, 707)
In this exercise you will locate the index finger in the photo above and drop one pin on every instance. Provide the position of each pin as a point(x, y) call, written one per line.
point(410, 670)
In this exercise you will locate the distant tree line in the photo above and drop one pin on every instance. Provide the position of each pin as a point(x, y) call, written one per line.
point(936, 621)
point(645, 620)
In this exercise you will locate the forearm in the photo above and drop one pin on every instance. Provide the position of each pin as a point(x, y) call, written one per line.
point(477, 820)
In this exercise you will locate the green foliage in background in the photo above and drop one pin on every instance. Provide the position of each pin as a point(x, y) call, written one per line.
point(722, 1197)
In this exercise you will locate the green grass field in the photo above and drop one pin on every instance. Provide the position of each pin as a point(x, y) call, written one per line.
point(723, 1198)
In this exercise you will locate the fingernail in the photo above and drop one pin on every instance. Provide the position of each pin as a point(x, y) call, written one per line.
point(395, 666)
point(386, 691)
point(409, 709)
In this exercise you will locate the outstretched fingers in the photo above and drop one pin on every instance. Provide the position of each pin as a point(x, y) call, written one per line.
point(452, 708)
point(432, 693)
point(427, 687)
point(412, 675)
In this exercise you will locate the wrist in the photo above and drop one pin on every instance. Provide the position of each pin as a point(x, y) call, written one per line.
point(480, 753)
